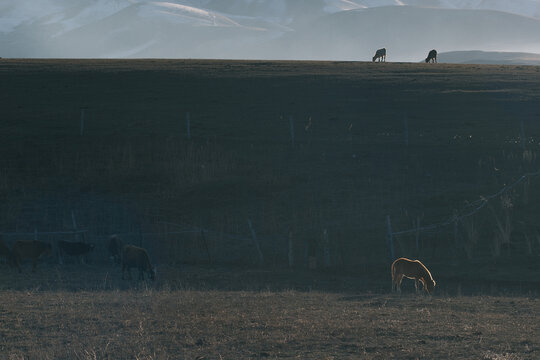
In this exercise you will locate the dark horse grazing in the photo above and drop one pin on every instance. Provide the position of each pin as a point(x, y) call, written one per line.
point(380, 55)
point(115, 248)
point(30, 249)
point(432, 56)
point(77, 249)
point(133, 256)
point(412, 269)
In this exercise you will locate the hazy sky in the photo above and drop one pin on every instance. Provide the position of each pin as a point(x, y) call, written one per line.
point(274, 29)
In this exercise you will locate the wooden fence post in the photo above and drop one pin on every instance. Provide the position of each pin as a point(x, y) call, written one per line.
point(205, 244)
point(418, 235)
point(406, 124)
point(291, 250)
point(291, 127)
point(188, 125)
point(456, 232)
point(327, 258)
point(74, 225)
point(82, 122)
point(523, 140)
point(256, 242)
point(390, 240)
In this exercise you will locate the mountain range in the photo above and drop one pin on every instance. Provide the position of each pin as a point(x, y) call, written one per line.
point(270, 29)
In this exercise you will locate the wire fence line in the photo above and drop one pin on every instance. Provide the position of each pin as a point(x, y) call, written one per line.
point(456, 218)
point(67, 232)
point(196, 229)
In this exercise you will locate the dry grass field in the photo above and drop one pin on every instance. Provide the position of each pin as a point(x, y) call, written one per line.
point(89, 313)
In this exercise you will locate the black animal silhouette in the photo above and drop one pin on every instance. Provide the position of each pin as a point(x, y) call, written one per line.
point(432, 56)
point(115, 248)
point(133, 256)
point(380, 55)
point(77, 249)
point(30, 249)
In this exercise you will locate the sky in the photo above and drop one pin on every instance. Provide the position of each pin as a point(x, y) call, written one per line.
point(265, 29)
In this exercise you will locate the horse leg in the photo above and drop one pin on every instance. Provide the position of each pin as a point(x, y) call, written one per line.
point(16, 262)
point(424, 286)
point(398, 281)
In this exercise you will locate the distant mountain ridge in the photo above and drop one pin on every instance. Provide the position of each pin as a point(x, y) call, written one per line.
point(412, 32)
point(272, 29)
point(489, 57)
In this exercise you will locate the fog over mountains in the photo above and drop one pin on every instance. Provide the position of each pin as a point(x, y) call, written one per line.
point(269, 29)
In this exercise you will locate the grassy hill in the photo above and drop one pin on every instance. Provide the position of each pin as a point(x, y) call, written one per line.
point(133, 168)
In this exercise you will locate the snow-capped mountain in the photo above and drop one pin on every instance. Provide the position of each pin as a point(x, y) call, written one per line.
point(315, 29)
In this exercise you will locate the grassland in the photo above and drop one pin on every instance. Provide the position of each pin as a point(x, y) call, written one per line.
point(87, 312)
point(349, 167)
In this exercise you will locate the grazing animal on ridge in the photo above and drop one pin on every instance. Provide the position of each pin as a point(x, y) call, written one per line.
point(77, 249)
point(412, 269)
point(33, 249)
point(115, 248)
point(133, 256)
point(432, 56)
point(380, 55)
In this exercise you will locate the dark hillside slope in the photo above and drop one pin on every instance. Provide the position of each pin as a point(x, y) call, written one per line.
point(348, 168)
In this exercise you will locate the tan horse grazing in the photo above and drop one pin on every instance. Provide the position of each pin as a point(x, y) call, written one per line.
point(412, 269)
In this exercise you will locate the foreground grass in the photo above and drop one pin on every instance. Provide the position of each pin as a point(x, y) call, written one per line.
point(150, 321)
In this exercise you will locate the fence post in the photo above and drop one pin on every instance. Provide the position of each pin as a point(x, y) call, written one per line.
point(188, 125)
point(523, 140)
point(418, 235)
point(256, 242)
point(406, 124)
point(327, 259)
point(82, 122)
point(74, 225)
point(291, 249)
point(390, 239)
point(203, 240)
point(291, 126)
point(456, 232)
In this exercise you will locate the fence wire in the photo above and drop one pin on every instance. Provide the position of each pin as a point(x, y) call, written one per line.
point(476, 205)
